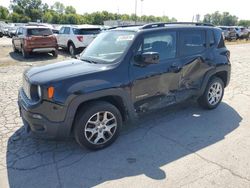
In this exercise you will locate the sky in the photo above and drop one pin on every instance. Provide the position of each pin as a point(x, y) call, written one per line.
point(182, 10)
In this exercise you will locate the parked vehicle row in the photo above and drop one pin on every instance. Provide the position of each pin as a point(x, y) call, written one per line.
point(235, 32)
point(40, 38)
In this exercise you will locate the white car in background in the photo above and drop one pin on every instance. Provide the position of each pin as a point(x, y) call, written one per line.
point(242, 32)
point(76, 37)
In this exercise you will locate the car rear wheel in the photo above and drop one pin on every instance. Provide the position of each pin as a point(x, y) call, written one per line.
point(55, 53)
point(24, 53)
point(97, 125)
point(72, 49)
point(213, 94)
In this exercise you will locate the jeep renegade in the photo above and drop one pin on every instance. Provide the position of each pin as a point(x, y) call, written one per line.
point(124, 72)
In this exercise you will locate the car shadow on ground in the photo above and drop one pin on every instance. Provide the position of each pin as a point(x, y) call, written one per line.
point(34, 57)
point(144, 147)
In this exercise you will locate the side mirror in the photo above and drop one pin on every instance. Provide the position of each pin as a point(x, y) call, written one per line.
point(147, 58)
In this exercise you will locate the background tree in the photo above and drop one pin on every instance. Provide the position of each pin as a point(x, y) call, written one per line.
point(58, 7)
point(27, 9)
point(218, 18)
point(4, 13)
point(33, 10)
point(70, 10)
point(245, 23)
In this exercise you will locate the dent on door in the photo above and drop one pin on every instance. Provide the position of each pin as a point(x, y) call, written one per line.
point(193, 73)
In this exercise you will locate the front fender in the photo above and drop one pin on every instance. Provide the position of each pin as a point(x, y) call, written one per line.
point(115, 92)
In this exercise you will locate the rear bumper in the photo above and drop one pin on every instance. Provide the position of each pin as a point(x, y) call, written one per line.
point(43, 50)
point(40, 48)
point(39, 124)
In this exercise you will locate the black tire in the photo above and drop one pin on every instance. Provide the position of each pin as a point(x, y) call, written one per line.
point(55, 53)
point(24, 53)
point(204, 99)
point(72, 49)
point(87, 113)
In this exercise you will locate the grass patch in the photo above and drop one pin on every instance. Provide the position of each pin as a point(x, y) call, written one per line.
point(237, 42)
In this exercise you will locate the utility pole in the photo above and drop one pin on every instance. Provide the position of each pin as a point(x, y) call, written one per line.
point(135, 11)
point(141, 6)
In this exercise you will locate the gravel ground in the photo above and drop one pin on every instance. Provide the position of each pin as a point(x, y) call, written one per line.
point(183, 146)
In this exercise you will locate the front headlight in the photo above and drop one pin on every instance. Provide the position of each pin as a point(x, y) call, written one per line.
point(39, 91)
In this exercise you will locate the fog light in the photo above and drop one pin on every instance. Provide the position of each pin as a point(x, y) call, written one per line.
point(36, 116)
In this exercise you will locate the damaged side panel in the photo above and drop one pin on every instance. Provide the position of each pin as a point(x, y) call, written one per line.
point(192, 74)
point(170, 85)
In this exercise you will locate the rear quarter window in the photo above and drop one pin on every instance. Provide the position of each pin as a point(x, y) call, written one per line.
point(192, 42)
point(219, 39)
point(39, 32)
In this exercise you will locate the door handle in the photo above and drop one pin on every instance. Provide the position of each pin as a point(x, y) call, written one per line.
point(175, 68)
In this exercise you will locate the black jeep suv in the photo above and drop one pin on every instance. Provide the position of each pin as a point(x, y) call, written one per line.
point(124, 72)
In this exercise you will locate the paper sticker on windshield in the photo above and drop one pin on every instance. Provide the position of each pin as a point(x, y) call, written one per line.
point(125, 38)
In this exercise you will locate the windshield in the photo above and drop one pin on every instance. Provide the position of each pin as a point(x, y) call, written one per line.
point(108, 46)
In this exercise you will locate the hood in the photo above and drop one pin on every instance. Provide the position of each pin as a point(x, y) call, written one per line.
point(62, 70)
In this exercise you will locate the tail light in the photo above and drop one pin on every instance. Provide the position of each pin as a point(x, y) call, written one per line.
point(80, 38)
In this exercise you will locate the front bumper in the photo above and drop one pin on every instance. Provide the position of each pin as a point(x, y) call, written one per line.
point(39, 124)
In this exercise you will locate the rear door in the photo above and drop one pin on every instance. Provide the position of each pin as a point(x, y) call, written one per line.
point(196, 57)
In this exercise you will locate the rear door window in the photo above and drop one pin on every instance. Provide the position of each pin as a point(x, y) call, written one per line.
point(192, 42)
point(86, 31)
point(39, 32)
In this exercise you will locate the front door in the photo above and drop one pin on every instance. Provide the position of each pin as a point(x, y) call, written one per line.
point(154, 85)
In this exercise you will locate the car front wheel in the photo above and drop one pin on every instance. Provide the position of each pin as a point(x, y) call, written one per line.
point(213, 94)
point(97, 125)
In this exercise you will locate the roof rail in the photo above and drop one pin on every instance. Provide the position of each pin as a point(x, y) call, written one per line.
point(121, 26)
point(164, 24)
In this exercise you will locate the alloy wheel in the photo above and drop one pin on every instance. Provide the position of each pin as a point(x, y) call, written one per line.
point(100, 127)
point(215, 93)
